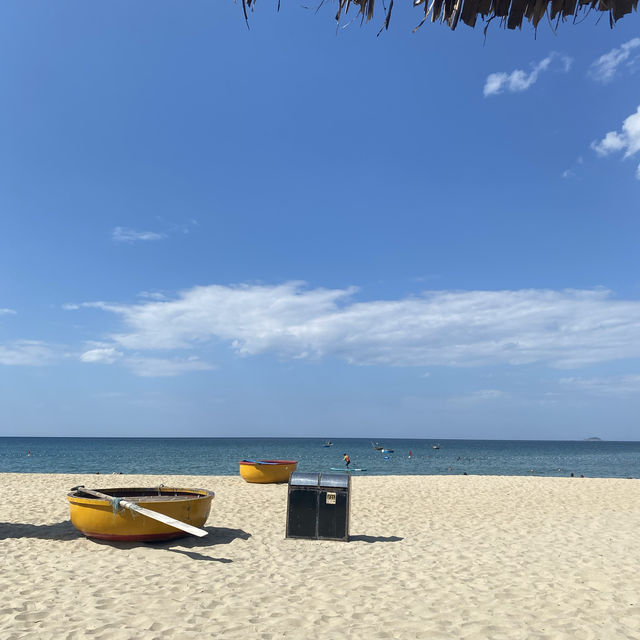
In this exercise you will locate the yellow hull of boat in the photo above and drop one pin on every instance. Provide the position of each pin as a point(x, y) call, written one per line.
point(95, 518)
point(271, 472)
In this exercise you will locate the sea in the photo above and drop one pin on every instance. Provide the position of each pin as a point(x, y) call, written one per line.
point(220, 456)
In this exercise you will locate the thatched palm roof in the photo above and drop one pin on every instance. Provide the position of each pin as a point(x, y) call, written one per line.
point(510, 12)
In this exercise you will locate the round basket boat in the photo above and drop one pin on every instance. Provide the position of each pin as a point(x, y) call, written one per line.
point(267, 471)
point(98, 518)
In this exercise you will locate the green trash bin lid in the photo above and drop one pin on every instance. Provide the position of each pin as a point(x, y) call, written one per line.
point(304, 479)
point(335, 480)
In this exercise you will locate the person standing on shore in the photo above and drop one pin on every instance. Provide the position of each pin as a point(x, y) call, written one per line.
point(347, 460)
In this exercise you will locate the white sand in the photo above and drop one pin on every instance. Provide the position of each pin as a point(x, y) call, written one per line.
point(430, 557)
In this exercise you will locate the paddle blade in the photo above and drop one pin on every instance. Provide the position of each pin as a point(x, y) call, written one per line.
point(160, 517)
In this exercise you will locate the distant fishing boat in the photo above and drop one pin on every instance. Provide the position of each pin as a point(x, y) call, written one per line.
point(376, 446)
point(327, 443)
point(387, 450)
point(435, 446)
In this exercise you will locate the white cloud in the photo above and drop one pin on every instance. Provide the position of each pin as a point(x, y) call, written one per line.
point(572, 172)
point(564, 329)
point(627, 140)
point(494, 83)
point(165, 367)
point(479, 398)
point(7, 312)
point(101, 355)
point(628, 385)
point(124, 234)
point(26, 353)
point(606, 66)
point(518, 80)
point(152, 295)
point(148, 367)
point(488, 394)
point(612, 142)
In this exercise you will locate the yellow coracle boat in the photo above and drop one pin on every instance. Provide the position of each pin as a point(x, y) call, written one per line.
point(100, 514)
point(266, 471)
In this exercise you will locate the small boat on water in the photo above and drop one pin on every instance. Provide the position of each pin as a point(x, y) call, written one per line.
point(105, 518)
point(435, 446)
point(327, 443)
point(267, 471)
point(387, 450)
point(377, 446)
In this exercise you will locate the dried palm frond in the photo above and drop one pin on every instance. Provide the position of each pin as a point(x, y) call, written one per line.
point(511, 12)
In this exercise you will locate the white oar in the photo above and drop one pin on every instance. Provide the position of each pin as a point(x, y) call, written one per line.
point(172, 522)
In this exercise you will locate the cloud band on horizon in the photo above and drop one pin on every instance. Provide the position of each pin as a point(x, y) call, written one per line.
point(562, 329)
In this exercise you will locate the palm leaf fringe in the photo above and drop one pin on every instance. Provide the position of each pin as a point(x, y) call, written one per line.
point(511, 12)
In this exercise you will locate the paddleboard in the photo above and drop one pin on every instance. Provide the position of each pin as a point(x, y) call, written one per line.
point(343, 469)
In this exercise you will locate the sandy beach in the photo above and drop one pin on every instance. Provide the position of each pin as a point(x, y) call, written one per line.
point(429, 557)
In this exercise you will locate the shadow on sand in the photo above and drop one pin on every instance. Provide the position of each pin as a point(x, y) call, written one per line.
point(58, 531)
point(189, 545)
point(374, 539)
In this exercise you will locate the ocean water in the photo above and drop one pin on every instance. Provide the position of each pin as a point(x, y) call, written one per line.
point(220, 456)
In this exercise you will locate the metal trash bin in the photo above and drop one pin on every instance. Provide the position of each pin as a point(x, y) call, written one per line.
point(318, 506)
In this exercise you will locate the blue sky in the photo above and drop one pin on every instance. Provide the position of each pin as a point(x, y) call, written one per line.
point(297, 231)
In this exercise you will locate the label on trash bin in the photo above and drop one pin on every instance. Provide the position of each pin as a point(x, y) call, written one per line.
point(331, 498)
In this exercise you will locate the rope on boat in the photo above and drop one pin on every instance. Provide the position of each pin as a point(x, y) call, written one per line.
point(115, 505)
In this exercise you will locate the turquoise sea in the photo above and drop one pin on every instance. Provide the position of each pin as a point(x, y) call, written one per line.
point(220, 456)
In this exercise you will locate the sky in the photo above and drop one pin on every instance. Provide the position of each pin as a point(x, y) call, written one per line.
point(303, 229)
